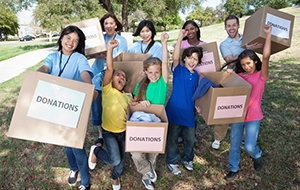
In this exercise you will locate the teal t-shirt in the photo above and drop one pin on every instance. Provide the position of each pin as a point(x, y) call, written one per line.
point(156, 92)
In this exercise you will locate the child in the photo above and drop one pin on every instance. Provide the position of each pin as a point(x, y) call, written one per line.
point(193, 36)
point(114, 102)
point(254, 71)
point(180, 107)
point(69, 62)
point(152, 90)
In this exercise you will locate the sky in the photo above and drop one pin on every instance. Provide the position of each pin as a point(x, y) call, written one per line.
point(25, 16)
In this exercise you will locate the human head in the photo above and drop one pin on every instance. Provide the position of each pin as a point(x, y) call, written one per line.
point(149, 25)
point(232, 26)
point(106, 25)
point(152, 68)
point(118, 79)
point(198, 35)
point(248, 54)
point(68, 30)
point(192, 56)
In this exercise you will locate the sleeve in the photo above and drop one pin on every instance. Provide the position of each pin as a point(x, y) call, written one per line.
point(225, 50)
point(157, 50)
point(106, 89)
point(136, 89)
point(133, 47)
point(84, 66)
point(49, 61)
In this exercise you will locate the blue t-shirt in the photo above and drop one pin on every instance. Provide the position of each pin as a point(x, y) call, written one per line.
point(139, 47)
point(180, 107)
point(231, 46)
point(76, 64)
point(100, 63)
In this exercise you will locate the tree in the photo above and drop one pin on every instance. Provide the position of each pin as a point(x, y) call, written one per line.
point(236, 7)
point(16, 5)
point(8, 23)
point(276, 4)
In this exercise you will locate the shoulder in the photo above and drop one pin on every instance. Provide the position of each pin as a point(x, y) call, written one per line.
point(157, 44)
point(121, 38)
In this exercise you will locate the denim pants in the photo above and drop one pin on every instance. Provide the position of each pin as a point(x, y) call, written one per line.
point(78, 160)
point(115, 152)
point(236, 136)
point(97, 110)
point(172, 150)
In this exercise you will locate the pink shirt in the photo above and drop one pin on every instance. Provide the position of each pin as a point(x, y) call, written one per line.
point(254, 112)
point(185, 44)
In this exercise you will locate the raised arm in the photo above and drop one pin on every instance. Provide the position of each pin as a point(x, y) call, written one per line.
point(165, 57)
point(109, 62)
point(176, 53)
point(266, 53)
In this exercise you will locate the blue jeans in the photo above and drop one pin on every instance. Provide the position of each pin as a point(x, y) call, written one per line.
point(78, 159)
point(172, 150)
point(236, 136)
point(115, 152)
point(97, 110)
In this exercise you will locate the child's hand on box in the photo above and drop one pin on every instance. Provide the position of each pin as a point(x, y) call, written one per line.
point(145, 103)
point(267, 29)
point(198, 110)
point(112, 44)
point(254, 46)
point(230, 71)
point(133, 103)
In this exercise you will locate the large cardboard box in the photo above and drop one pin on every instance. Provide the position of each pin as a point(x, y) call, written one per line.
point(132, 64)
point(210, 61)
point(227, 104)
point(52, 109)
point(282, 29)
point(146, 137)
point(92, 30)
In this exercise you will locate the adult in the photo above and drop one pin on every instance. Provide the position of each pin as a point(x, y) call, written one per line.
point(110, 24)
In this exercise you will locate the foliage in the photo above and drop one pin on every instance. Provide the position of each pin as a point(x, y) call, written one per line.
point(236, 7)
point(276, 4)
point(16, 5)
point(8, 22)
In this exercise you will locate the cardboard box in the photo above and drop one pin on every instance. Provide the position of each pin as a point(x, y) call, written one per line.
point(210, 61)
point(52, 110)
point(132, 64)
point(227, 104)
point(282, 29)
point(92, 30)
point(146, 137)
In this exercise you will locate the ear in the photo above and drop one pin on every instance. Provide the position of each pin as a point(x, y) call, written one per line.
point(255, 62)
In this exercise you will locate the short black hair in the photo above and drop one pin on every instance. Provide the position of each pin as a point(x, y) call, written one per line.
point(189, 51)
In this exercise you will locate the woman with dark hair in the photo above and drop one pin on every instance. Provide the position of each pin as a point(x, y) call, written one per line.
point(193, 35)
point(146, 31)
point(110, 24)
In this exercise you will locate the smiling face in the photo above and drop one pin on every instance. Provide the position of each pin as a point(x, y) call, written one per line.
point(146, 35)
point(232, 28)
point(110, 26)
point(191, 62)
point(69, 43)
point(153, 72)
point(192, 31)
point(119, 80)
point(248, 65)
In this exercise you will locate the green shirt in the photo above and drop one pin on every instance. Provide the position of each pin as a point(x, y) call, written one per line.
point(156, 92)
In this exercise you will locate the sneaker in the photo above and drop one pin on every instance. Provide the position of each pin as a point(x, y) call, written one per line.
point(147, 183)
point(91, 164)
point(188, 165)
point(216, 145)
point(116, 187)
point(231, 175)
point(258, 163)
point(152, 174)
point(72, 178)
point(82, 187)
point(174, 169)
point(243, 141)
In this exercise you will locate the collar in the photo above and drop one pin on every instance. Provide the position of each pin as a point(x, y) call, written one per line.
point(231, 40)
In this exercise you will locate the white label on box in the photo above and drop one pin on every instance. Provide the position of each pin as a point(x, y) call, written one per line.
point(207, 63)
point(230, 106)
point(56, 104)
point(144, 138)
point(280, 26)
point(92, 37)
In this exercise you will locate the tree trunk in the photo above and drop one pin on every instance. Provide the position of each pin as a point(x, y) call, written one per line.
point(106, 4)
point(125, 15)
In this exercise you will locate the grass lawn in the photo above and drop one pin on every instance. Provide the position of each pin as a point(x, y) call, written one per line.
point(34, 165)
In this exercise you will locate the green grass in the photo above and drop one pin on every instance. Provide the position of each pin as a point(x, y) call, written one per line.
point(9, 50)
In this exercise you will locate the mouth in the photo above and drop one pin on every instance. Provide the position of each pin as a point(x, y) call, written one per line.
point(153, 79)
point(121, 82)
point(69, 46)
point(232, 32)
point(191, 35)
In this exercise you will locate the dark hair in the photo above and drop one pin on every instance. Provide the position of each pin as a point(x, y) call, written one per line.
point(194, 24)
point(246, 53)
point(232, 17)
point(141, 95)
point(112, 15)
point(189, 51)
point(150, 25)
point(69, 29)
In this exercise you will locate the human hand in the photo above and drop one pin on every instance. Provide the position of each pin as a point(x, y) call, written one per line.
point(142, 74)
point(229, 71)
point(112, 44)
point(99, 55)
point(133, 103)
point(145, 103)
point(267, 29)
point(164, 37)
point(182, 33)
point(254, 46)
point(232, 64)
point(198, 109)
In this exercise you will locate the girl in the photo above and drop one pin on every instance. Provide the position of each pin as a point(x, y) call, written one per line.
point(109, 24)
point(193, 36)
point(180, 107)
point(152, 90)
point(69, 62)
point(256, 72)
point(146, 31)
point(114, 116)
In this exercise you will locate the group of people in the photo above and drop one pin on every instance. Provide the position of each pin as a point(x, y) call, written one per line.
point(109, 108)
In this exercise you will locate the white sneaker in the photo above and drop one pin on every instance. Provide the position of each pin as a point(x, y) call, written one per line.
point(90, 163)
point(174, 169)
point(216, 144)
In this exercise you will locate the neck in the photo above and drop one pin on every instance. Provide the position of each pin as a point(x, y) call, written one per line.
point(112, 35)
point(193, 41)
point(66, 52)
point(237, 37)
point(148, 42)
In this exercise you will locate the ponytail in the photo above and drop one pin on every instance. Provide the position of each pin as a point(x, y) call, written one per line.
point(149, 46)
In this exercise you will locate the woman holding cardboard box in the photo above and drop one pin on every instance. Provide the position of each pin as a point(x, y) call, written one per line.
point(110, 24)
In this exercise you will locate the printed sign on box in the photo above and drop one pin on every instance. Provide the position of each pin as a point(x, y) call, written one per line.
point(64, 107)
point(230, 106)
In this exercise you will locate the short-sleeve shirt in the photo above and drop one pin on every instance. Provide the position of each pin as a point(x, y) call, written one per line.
point(156, 92)
point(180, 107)
point(185, 44)
point(231, 46)
point(139, 47)
point(114, 112)
point(254, 112)
point(100, 64)
point(75, 65)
